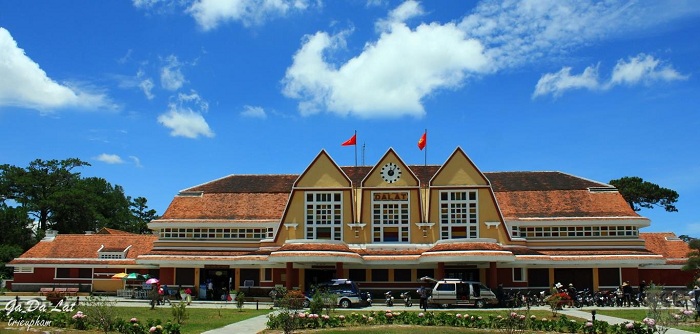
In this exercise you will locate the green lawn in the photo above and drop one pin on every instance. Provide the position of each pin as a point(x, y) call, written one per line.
point(200, 319)
point(640, 314)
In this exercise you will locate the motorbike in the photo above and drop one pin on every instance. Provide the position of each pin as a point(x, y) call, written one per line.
point(406, 296)
point(389, 299)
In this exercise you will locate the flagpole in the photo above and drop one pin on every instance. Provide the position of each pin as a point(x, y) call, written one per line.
point(355, 148)
point(425, 161)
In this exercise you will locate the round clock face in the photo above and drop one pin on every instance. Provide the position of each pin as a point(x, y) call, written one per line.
point(391, 172)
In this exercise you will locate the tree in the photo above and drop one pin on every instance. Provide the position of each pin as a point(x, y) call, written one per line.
point(61, 199)
point(694, 256)
point(36, 186)
point(142, 215)
point(16, 235)
point(642, 194)
point(685, 238)
point(90, 204)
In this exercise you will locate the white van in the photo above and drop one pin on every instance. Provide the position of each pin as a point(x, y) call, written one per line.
point(447, 292)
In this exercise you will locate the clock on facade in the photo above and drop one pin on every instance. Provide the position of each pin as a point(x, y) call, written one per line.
point(391, 172)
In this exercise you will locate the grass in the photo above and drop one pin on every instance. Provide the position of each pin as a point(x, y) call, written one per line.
point(639, 314)
point(200, 319)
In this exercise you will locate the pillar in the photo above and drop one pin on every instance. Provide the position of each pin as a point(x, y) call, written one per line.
point(289, 273)
point(440, 272)
point(339, 270)
point(493, 275)
point(596, 279)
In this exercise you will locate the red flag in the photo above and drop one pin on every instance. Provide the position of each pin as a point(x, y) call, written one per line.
point(423, 141)
point(350, 142)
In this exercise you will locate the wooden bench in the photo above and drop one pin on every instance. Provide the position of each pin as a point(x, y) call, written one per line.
point(72, 291)
point(45, 291)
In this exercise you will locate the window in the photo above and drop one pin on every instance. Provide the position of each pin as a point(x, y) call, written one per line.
point(459, 217)
point(390, 217)
point(425, 273)
point(402, 275)
point(324, 215)
point(543, 232)
point(515, 232)
point(446, 287)
point(357, 275)
point(85, 273)
point(242, 234)
point(24, 270)
point(380, 275)
point(111, 255)
point(268, 274)
point(62, 273)
point(519, 275)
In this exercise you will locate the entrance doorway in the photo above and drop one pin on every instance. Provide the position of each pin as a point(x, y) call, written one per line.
point(315, 276)
point(221, 281)
point(465, 274)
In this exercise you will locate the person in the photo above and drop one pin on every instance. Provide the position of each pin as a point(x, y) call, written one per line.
point(210, 289)
point(423, 294)
point(273, 296)
point(155, 297)
point(627, 294)
point(188, 295)
point(642, 287)
point(165, 293)
point(500, 294)
point(571, 291)
point(696, 295)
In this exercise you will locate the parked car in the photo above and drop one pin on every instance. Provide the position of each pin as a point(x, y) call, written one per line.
point(448, 292)
point(348, 293)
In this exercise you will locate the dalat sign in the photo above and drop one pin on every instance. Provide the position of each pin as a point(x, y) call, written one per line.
point(396, 196)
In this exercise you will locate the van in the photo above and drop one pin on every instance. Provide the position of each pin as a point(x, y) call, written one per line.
point(348, 293)
point(447, 292)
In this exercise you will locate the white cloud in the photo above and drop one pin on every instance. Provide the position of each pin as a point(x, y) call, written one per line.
point(639, 69)
point(390, 77)
point(557, 83)
point(643, 68)
point(136, 160)
point(183, 121)
point(24, 84)
point(171, 77)
point(253, 112)
point(405, 11)
point(516, 32)
point(211, 13)
point(110, 158)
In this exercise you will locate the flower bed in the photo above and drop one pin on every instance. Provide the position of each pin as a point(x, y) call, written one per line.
point(510, 322)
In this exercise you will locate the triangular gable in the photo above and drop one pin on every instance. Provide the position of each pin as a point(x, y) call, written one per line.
point(459, 170)
point(378, 178)
point(323, 172)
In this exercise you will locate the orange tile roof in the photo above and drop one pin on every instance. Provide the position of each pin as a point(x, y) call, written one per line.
point(666, 244)
point(233, 206)
point(81, 248)
point(519, 194)
point(465, 246)
point(563, 203)
point(324, 247)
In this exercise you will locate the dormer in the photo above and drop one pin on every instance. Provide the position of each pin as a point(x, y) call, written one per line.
point(112, 253)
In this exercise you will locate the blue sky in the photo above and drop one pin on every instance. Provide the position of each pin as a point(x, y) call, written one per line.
point(163, 95)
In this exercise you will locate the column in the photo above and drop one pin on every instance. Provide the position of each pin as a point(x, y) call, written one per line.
point(440, 272)
point(289, 272)
point(493, 275)
point(339, 270)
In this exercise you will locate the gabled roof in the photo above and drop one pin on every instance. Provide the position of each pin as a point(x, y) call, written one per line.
point(83, 248)
point(519, 195)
